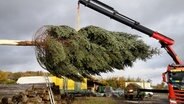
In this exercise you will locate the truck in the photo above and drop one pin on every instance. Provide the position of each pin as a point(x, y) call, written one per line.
point(174, 74)
point(132, 90)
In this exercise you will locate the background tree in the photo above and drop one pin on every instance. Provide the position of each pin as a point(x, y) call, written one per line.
point(15, 76)
point(3, 76)
point(162, 85)
point(138, 79)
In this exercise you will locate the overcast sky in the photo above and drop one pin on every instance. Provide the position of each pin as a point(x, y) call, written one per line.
point(20, 19)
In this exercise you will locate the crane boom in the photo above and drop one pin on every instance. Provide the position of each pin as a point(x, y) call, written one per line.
point(165, 41)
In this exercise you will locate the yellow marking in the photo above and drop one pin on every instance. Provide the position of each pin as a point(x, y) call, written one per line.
point(84, 84)
point(176, 81)
point(177, 70)
point(71, 84)
point(57, 81)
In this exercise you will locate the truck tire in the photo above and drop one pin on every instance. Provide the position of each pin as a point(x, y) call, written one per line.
point(131, 97)
point(126, 97)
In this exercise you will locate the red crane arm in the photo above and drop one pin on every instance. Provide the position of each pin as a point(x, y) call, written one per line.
point(105, 9)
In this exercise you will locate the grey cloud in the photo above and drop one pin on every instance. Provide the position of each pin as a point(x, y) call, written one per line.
point(12, 56)
point(20, 19)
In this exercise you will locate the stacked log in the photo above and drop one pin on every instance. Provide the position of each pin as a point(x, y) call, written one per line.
point(32, 95)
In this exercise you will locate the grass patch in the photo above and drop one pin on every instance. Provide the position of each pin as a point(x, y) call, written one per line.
point(94, 100)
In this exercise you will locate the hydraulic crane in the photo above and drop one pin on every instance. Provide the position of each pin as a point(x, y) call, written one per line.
point(174, 76)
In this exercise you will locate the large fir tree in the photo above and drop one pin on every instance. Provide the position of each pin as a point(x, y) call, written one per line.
point(89, 51)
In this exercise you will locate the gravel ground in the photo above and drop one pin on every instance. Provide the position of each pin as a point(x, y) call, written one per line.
point(156, 99)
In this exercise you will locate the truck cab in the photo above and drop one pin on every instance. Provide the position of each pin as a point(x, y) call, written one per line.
point(175, 79)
